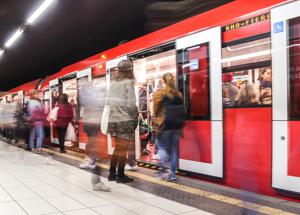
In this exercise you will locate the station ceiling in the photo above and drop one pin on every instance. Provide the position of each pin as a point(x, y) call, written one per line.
point(71, 30)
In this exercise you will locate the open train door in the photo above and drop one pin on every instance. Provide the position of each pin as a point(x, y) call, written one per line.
point(286, 96)
point(111, 70)
point(54, 93)
point(200, 80)
point(83, 77)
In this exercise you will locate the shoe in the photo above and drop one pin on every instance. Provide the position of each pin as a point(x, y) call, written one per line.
point(63, 151)
point(87, 165)
point(171, 178)
point(161, 176)
point(155, 157)
point(131, 168)
point(124, 179)
point(112, 177)
point(101, 187)
point(38, 151)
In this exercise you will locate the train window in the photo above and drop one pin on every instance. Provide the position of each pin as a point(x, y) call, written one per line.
point(46, 101)
point(81, 83)
point(247, 73)
point(193, 80)
point(249, 87)
point(70, 88)
point(246, 53)
point(294, 67)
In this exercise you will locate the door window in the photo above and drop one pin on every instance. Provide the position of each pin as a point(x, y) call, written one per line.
point(194, 80)
point(294, 67)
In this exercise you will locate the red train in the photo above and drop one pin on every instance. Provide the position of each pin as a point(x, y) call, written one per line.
point(251, 145)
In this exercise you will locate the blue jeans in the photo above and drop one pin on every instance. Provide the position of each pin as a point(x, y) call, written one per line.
point(168, 146)
point(36, 133)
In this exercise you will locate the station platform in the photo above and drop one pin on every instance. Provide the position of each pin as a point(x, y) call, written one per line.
point(52, 183)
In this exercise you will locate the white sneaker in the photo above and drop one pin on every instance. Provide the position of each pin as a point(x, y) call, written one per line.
point(50, 161)
point(101, 187)
point(155, 157)
point(87, 165)
point(131, 168)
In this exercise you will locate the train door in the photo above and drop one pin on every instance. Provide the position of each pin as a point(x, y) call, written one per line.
point(286, 96)
point(54, 94)
point(82, 78)
point(46, 103)
point(111, 71)
point(149, 67)
point(199, 78)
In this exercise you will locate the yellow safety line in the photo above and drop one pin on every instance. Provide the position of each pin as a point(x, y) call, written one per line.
point(194, 191)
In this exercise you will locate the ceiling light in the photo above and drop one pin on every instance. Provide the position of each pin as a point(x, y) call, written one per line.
point(39, 11)
point(1, 52)
point(14, 37)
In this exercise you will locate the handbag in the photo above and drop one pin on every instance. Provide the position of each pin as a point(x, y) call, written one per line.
point(52, 116)
point(105, 117)
point(70, 133)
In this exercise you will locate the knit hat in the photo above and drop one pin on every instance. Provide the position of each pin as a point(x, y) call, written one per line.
point(227, 77)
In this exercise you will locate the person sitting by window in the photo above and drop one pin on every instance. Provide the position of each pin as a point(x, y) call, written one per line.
point(229, 89)
point(247, 95)
point(265, 88)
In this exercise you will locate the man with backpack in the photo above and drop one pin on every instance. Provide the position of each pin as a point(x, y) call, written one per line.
point(169, 120)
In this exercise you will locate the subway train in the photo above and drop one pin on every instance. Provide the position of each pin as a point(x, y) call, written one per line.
point(249, 48)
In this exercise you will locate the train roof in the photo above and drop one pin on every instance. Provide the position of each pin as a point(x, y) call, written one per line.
point(226, 14)
point(29, 86)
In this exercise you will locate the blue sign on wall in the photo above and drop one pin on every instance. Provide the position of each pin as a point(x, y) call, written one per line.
point(278, 27)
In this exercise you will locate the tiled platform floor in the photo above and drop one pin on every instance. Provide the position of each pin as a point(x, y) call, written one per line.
point(30, 185)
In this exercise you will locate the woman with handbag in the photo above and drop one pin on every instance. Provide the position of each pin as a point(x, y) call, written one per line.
point(64, 117)
point(123, 119)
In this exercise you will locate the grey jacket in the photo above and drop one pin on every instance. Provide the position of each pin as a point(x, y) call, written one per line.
point(122, 101)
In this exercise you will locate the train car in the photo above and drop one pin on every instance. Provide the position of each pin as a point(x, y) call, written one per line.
point(243, 49)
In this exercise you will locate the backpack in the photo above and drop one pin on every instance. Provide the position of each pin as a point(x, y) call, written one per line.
point(174, 113)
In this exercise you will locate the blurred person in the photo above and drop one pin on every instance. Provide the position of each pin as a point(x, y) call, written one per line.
point(169, 118)
point(36, 114)
point(64, 117)
point(265, 88)
point(74, 107)
point(229, 89)
point(123, 119)
point(225, 99)
point(247, 95)
point(20, 121)
point(93, 104)
point(11, 125)
point(143, 103)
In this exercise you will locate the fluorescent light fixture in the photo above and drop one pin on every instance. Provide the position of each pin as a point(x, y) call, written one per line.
point(246, 56)
point(1, 52)
point(14, 37)
point(39, 11)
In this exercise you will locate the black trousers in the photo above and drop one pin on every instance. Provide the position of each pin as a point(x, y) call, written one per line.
point(119, 157)
point(61, 137)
